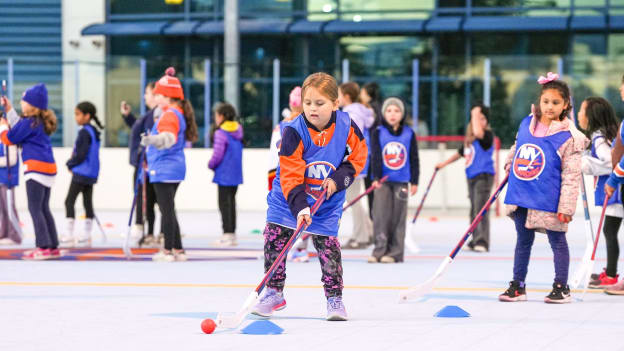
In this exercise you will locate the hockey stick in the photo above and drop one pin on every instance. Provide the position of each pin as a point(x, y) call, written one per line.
point(589, 233)
point(14, 221)
point(126, 245)
point(409, 239)
point(352, 202)
point(233, 321)
point(422, 202)
point(368, 191)
point(427, 286)
point(143, 204)
point(580, 272)
point(590, 265)
point(97, 220)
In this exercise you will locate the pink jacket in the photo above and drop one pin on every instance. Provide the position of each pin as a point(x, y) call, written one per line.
point(570, 152)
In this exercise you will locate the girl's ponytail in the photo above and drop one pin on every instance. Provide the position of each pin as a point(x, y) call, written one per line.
point(49, 121)
point(191, 134)
point(88, 108)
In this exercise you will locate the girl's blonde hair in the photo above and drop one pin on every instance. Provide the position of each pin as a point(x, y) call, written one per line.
point(323, 82)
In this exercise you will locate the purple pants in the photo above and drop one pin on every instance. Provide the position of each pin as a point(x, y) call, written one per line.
point(327, 247)
point(557, 241)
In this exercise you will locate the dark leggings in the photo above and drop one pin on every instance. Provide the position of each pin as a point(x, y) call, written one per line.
point(87, 199)
point(227, 207)
point(524, 244)
point(165, 196)
point(611, 228)
point(327, 247)
point(39, 208)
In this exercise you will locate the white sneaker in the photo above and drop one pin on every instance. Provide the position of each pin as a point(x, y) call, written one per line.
point(67, 241)
point(163, 256)
point(136, 232)
point(83, 241)
point(180, 255)
point(227, 239)
point(7, 241)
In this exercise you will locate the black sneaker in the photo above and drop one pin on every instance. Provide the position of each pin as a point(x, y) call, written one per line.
point(559, 294)
point(514, 293)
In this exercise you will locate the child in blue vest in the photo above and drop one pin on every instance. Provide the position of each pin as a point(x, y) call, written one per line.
point(9, 178)
point(84, 165)
point(166, 162)
point(394, 153)
point(477, 149)
point(321, 149)
point(138, 126)
point(227, 163)
point(544, 181)
point(32, 132)
point(597, 119)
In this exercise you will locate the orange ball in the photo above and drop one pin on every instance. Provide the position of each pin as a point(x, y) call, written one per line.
point(208, 326)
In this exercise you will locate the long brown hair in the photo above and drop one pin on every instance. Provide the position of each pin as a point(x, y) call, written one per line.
point(191, 134)
point(47, 117)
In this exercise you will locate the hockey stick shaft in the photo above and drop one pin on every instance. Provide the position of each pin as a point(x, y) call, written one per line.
point(422, 202)
point(10, 204)
point(368, 191)
point(602, 216)
point(289, 244)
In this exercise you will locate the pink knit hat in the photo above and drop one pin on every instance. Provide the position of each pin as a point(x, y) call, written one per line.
point(294, 99)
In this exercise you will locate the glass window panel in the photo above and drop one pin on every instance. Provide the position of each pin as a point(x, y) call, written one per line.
point(358, 10)
point(123, 7)
point(322, 10)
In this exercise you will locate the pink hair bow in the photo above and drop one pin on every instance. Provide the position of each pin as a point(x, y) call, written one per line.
point(549, 78)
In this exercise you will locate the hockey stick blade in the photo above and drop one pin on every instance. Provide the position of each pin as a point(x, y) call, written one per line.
point(426, 287)
point(228, 321)
point(126, 245)
point(585, 266)
point(411, 244)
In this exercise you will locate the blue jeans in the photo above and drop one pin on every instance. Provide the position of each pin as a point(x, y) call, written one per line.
point(557, 241)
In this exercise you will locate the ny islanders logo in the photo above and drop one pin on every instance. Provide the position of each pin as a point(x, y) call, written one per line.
point(469, 155)
point(394, 155)
point(529, 162)
point(315, 174)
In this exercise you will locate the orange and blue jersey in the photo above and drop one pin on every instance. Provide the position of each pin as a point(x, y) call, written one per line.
point(168, 165)
point(617, 176)
point(307, 157)
point(535, 176)
point(37, 154)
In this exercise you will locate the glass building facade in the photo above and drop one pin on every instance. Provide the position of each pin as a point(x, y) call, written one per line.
point(451, 39)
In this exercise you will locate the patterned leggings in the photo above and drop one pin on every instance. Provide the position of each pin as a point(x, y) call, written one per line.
point(328, 248)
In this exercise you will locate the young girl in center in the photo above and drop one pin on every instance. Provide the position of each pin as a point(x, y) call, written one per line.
point(597, 118)
point(394, 153)
point(544, 183)
point(321, 149)
point(84, 165)
point(166, 163)
point(32, 132)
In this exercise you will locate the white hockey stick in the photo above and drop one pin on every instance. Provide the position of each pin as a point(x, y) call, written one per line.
point(427, 286)
point(586, 264)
